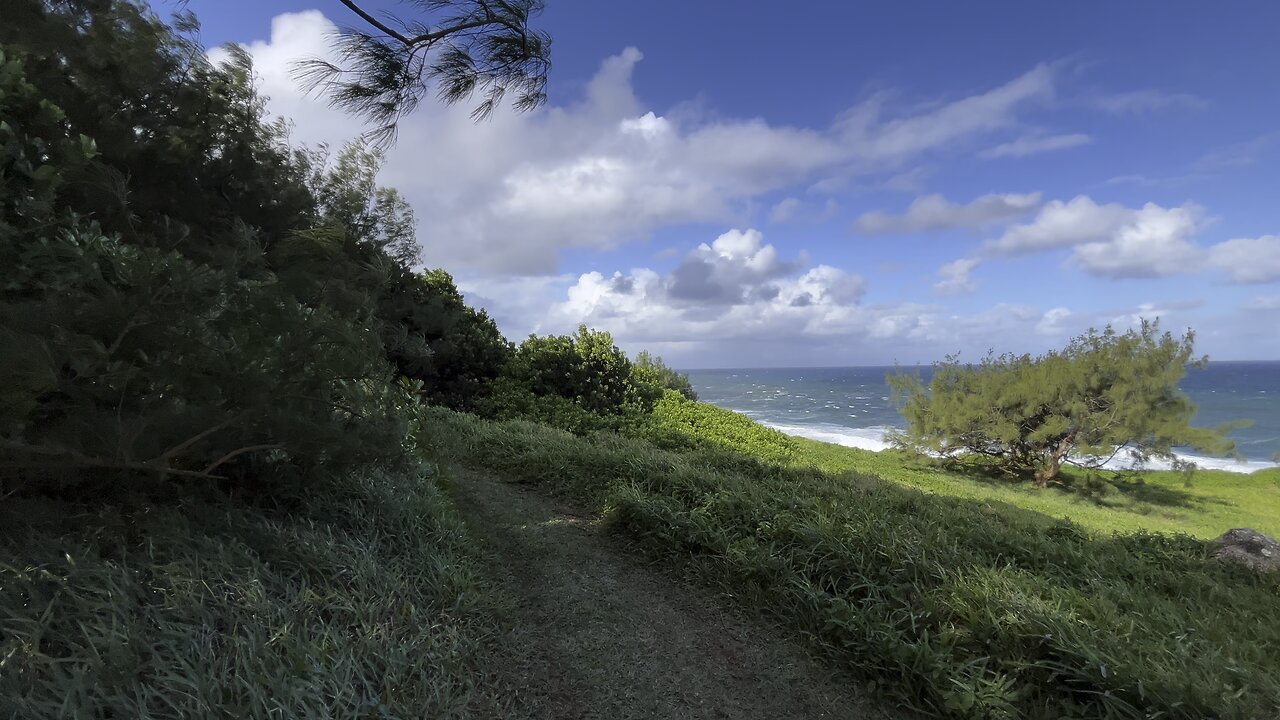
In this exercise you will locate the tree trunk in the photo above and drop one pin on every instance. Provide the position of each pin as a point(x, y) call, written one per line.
point(1049, 471)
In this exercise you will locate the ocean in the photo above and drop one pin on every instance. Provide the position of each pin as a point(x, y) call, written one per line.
point(851, 406)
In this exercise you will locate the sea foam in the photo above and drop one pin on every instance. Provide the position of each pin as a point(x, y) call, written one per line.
point(874, 439)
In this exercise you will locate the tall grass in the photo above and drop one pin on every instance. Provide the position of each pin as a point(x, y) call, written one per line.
point(363, 600)
point(962, 608)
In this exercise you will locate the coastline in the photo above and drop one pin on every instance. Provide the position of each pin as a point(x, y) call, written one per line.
point(872, 439)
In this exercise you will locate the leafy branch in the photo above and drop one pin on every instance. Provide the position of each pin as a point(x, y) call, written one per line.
point(382, 75)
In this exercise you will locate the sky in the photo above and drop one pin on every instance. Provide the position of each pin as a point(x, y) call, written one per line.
point(743, 184)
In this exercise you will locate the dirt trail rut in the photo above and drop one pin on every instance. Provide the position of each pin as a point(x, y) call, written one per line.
point(597, 634)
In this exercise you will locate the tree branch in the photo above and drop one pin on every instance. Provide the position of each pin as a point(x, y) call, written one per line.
point(375, 22)
point(236, 453)
point(430, 37)
point(167, 454)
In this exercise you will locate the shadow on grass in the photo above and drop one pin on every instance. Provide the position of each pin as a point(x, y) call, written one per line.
point(1118, 491)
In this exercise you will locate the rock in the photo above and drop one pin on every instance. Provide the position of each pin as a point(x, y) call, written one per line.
point(1249, 548)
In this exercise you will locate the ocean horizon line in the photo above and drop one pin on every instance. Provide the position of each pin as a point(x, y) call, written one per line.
point(903, 365)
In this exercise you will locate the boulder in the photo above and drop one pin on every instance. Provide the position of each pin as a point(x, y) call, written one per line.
point(1249, 548)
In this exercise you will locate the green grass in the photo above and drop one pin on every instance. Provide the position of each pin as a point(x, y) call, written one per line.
point(1213, 502)
point(361, 600)
point(964, 608)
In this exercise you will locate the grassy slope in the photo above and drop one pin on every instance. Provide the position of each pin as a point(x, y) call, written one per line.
point(1211, 504)
point(360, 601)
point(972, 609)
point(595, 634)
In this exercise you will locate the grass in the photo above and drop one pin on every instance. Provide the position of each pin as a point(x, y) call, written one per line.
point(958, 607)
point(1213, 502)
point(363, 600)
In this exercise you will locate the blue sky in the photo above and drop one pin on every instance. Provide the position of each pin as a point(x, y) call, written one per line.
point(858, 184)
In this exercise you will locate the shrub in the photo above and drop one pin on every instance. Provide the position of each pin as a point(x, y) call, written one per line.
point(1104, 394)
point(651, 370)
point(677, 423)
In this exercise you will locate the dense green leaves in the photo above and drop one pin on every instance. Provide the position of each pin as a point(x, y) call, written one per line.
point(455, 351)
point(1106, 393)
point(586, 368)
point(186, 295)
point(649, 369)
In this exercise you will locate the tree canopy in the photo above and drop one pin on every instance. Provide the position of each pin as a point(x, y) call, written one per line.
point(186, 294)
point(1105, 394)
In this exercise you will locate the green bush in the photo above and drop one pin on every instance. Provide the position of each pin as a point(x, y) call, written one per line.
point(586, 368)
point(678, 423)
point(456, 352)
point(649, 369)
point(962, 608)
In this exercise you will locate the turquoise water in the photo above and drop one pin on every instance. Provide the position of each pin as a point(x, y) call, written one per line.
point(851, 406)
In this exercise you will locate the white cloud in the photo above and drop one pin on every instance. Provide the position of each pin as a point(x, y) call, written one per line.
point(1248, 260)
point(1142, 101)
point(509, 194)
point(1053, 322)
point(955, 277)
point(934, 212)
point(1110, 240)
point(758, 309)
point(1034, 144)
point(732, 288)
point(897, 140)
point(1133, 317)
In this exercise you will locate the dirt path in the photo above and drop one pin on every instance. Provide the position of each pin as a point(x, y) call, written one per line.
point(597, 634)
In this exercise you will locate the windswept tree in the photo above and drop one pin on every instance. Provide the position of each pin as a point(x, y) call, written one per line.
point(1105, 394)
point(382, 70)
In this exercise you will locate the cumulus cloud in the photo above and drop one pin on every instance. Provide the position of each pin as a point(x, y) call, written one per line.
point(510, 194)
point(759, 309)
point(934, 212)
point(733, 287)
point(1035, 144)
point(733, 269)
point(955, 277)
point(1110, 240)
point(1248, 260)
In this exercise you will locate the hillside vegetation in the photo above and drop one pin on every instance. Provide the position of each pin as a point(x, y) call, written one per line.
point(967, 608)
point(236, 416)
